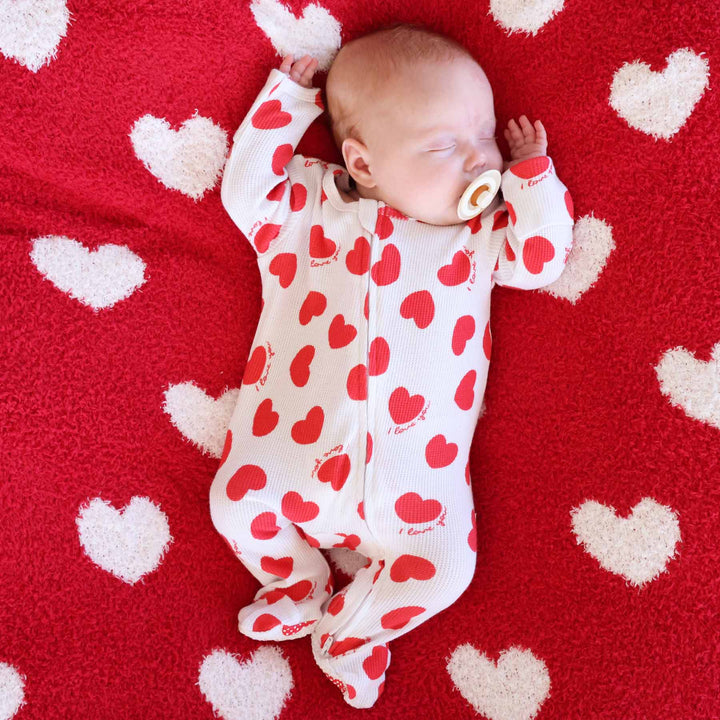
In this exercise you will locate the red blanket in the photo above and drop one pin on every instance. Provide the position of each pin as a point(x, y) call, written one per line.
point(129, 303)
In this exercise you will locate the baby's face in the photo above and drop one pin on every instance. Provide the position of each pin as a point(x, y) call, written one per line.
point(430, 136)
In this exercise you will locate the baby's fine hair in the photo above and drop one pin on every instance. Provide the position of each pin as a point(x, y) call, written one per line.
point(367, 61)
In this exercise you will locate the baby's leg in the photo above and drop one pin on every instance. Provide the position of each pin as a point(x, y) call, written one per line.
point(388, 598)
point(296, 579)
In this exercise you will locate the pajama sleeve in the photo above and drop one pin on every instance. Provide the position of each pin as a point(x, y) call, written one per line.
point(265, 187)
point(533, 250)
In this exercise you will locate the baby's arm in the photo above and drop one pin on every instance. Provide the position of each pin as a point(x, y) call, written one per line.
point(257, 189)
point(539, 213)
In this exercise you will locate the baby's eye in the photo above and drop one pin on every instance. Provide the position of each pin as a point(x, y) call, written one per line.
point(445, 149)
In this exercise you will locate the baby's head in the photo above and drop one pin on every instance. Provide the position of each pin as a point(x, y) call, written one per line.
point(412, 113)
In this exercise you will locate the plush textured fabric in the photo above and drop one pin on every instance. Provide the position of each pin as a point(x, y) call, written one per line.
point(129, 302)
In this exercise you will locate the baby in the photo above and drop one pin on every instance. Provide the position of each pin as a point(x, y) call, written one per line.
point(364, 384)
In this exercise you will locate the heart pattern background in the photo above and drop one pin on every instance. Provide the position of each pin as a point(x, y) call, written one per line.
point(129, 304)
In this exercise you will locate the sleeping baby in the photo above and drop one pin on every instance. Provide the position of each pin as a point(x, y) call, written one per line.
point(366, 375)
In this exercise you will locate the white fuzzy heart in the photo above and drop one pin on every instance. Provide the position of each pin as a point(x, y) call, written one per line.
point(659, 103)
point(592, 244)
point(201, 419)
point(514, 689)
point(316, 33)
point(128, 543)
point(524, 16)
point(190, 159)
point(637, 547)
point(98, 278)
point(254, 690)
point(692, 384)
point(31, 30)
point(12, 691)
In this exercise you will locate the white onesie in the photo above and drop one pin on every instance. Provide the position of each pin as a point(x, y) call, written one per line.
point(362, 390)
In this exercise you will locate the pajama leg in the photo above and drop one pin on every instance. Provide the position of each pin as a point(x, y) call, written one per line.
point(385, 600)
point(296, 579)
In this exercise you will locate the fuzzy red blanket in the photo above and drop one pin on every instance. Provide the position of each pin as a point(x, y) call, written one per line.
point(129, 302)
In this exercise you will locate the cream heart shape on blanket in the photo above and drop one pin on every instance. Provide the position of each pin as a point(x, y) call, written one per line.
point(524, 16)
point(128, 543)
point(637, 547)
point(512, 689)
point(98, 278)
point(31, 30)
point(659, 103)
point(316, 33)
point(256, 689)
point(12, 691)
point(692, 384)
point(592, 244)
point(190, 159)
point(198, 417)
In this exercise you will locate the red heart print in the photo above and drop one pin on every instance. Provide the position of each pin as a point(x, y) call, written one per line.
point(536, 252)
point(265, 235)
point(357, 383)
point(376, 663)
point(281, 157)
point(464, 330)
point(265, 419)
point(358, 259)
point(500, 220)
point(384, 224)
point(368, 450)
point(487, 341)
point(298, 197)
point(350, 542)
point(264, 526)
point(569, 204)
point(457, 272)
point(472, 535)
point(300, 365)
point(465, 394)
point(265, 622)
point(411, 508)
point(284, 266)
point(509, 254)
point(396, 619)
point(336, 604)
point(320, 246)
point(378, 357)
point(276, 194)
point(308, 430)
point(404, 407)
point(339, 647)
point(340, 334)
point(270, 115)
point(313, 305)
point(226, 448)
point(295, 509)
point(299, 591)
point(282, 567)
point(530, 168)
point(255, 366)
point(420, 307)
point(387, 270)
point(511, 212)
point(335, 471)
point(245, 478)
point(408, 567)
point(440, 453)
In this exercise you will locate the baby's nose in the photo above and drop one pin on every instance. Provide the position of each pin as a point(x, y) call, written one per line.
point(476, 161)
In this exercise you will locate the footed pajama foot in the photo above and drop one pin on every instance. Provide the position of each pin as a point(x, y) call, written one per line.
point(272, 618)
point(358, 673)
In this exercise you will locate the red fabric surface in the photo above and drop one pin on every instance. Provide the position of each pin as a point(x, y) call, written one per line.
point(574, 411)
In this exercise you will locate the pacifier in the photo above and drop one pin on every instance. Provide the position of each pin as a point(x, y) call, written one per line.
point(479, 194)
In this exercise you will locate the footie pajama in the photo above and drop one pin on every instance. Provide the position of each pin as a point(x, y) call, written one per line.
point(362, 390)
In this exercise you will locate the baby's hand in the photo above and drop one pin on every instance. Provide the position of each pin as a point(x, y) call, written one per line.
point(525, 141)
point(301, 71)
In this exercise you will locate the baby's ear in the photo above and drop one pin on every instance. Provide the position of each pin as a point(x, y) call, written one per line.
point(357, 161)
